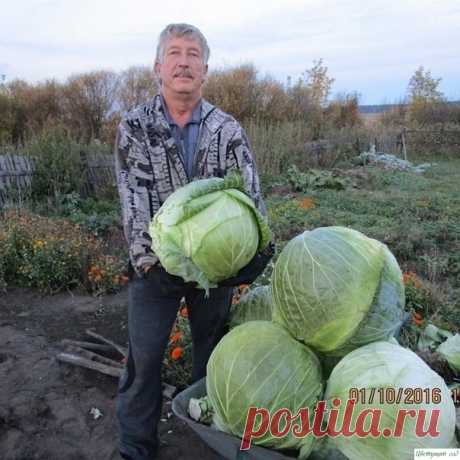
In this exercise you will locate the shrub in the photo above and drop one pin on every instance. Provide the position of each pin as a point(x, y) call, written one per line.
point(53, 254)
point(105, 274)
point(57, 164)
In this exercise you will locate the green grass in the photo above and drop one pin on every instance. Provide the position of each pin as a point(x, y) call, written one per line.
point(417, 216)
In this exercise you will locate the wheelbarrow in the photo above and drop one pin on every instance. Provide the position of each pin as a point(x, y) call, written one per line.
point(224, 444)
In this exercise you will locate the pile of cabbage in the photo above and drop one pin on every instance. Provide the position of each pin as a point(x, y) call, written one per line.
point(322, 327)
point(337, 295)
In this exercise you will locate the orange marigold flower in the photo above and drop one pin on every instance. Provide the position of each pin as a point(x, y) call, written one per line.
point(410, 278)
point(177, 353)
point(176, 337)
point(417, 318)
point(184, 312)
point(306, 203)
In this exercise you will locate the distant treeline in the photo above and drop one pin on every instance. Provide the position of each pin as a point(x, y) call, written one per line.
point(89, 105)
point(380, 108)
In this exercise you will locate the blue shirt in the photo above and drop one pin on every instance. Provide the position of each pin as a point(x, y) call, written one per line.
point(187, 137)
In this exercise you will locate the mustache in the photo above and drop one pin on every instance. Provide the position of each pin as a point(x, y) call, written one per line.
point(183, 73)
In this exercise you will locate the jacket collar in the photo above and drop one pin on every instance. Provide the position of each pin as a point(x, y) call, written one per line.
point(207, 109)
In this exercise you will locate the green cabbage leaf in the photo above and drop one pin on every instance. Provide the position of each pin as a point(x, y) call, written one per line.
point(255, 304)
point(258, 364)
point(450, 350)
point(381, 366)
point(208, 230)
point(336, 289)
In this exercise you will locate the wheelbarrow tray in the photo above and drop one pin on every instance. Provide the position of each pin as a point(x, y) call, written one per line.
point(223, 443)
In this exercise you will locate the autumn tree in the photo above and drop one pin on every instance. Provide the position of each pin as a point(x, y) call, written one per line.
point(318, 82)
point(235, 90)
point(422, 85)
point(301, 102)
point(273, 101)
point(88, 100)
point(5, 115)
point(19, 93)
point(45, 106)
point(343, 111)
point(308, 97)
point(137, 85)
point(424, 97)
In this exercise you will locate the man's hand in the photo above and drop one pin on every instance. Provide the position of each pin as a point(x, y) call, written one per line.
point(147, 268)
point(160, 275)
point(249, 273)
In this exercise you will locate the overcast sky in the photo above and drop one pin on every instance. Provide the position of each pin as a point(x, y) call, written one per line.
point(371, 47)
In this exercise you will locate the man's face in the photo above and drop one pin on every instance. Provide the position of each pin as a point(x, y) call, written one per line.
point(182, 70)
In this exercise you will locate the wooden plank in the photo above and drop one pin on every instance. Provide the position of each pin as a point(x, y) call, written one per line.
point(84, 362)
point(94, 356)
point(403, 140)
point(122, 350)
point(88, 345)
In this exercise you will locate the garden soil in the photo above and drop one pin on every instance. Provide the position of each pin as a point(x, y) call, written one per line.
point(47, 407)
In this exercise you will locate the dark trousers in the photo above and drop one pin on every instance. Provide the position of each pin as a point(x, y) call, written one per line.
point(151, 315)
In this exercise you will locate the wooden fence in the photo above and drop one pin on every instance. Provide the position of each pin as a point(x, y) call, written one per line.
point(432, 142)
point(16, 173)
point(413, 144)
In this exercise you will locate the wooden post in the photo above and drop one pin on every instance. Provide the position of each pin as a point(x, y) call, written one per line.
point(403, 140)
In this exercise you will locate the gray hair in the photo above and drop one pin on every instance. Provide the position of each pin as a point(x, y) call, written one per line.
point(181, 30)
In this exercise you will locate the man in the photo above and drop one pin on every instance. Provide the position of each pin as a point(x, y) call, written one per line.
point(176, 138)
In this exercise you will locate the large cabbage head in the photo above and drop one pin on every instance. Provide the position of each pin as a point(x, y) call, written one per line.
point(255, 304)
point(450, 350)
point(258, 364)
point(381, 369)
point(336, 289)
point(208, 230)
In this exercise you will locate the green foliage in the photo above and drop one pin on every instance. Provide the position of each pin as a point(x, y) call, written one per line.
point(417, 216)
point(58, 169)
point(51, 265)
point(277, 145)
point(13, 241)
point(424, 96)
point(286, 218)
point(423, 86)
point(420, 299)
point(314, 179)
point(53, 254)
point(97, 216)
point(318, 82)
point(105, 274)
point(177, 364)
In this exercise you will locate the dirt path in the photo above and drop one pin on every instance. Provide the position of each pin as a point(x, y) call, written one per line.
point(45, 405)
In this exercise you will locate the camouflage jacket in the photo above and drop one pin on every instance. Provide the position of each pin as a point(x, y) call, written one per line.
point(149, 166)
